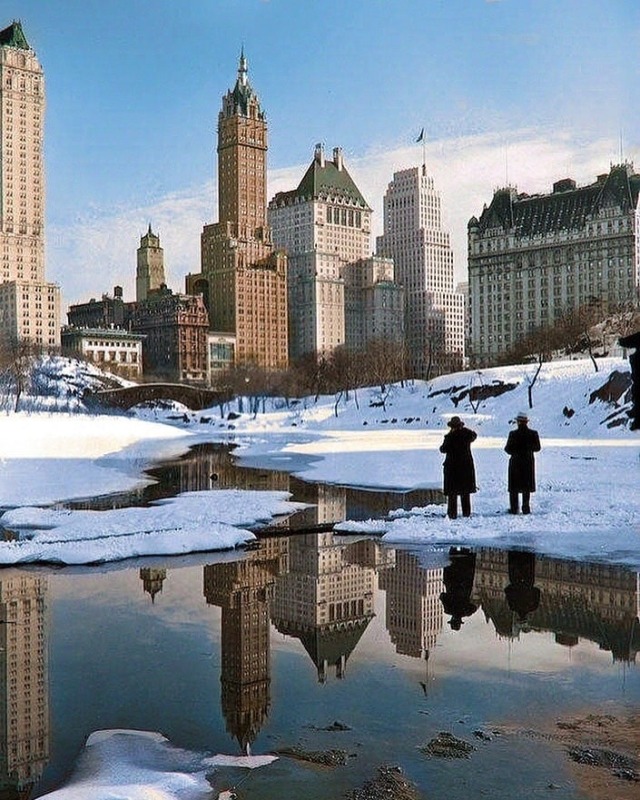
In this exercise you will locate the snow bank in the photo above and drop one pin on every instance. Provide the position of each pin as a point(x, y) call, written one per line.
point(45, 458)
point(140, 765)
point(489, 399)
point(191, 522)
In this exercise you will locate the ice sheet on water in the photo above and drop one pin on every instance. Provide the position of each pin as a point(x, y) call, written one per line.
point(143, 765)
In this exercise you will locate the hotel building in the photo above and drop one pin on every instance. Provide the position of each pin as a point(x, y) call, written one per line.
point(338, 293)
point(534, 257)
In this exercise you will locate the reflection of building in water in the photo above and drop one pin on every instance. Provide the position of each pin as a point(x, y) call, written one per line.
point(213, 466)
point(370, 553)
point(325, 600)
point(328, 502)
point(414, 613)
point(243, 590)
point(24, 708)
point(597, 602)
point(152, 580)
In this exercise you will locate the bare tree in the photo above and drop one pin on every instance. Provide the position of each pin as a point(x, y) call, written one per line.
point(17, 358)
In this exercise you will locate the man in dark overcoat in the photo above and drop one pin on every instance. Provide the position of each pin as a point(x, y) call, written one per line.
point(459, 469)
point(521, 445)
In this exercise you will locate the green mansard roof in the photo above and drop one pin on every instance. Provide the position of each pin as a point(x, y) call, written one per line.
point(13, 36)
point(568, 207)
point(325, 180)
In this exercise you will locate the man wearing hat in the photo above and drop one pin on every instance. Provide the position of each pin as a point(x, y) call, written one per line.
point(521, 445)
point(458, 467)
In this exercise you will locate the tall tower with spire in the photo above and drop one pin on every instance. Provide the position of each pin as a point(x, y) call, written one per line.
point(150, 269)
point(243, 277)
point(29, 306)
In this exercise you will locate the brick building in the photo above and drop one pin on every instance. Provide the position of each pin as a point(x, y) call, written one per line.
point(243, 278)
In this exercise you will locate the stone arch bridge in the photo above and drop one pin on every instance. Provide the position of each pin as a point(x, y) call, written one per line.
point(194, 397)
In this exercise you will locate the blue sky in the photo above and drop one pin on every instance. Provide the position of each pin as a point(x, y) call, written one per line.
point(524, 89)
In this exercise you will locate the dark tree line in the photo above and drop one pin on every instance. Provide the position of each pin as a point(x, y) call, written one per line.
point(577, 330)
point(340, 373)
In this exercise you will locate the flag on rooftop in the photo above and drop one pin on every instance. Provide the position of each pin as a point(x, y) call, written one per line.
point(421, 137)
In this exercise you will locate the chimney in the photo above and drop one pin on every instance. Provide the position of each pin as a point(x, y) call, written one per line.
point(319, 154)
point(337, 158)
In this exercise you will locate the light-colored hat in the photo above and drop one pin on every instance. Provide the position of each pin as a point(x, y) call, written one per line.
point(455, 422)
point(522, 415)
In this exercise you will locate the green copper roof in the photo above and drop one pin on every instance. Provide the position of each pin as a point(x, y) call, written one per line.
point(13, 36)
point(326, 180)
point(567, 208)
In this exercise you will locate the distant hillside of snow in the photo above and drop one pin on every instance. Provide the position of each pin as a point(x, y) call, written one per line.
point(569, 399)
point(57, 383)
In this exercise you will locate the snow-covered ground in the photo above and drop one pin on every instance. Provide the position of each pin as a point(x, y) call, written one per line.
point(141, 765)
point(587, 504)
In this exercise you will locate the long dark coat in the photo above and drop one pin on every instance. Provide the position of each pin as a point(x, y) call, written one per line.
point(521, 445)
point(459, 469)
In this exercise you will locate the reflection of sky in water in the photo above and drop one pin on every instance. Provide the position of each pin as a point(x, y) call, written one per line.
point(119, 660)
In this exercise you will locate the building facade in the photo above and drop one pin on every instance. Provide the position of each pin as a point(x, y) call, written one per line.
point(534, 257)
point(108, 312)
point(112, 349)
point(373, 303)
point(221, 355)
point(29, 306)
point(243, 278)
point(419, 246)
point(325, 227)
point(150, 265)
point(24, 696)
point(175, 327)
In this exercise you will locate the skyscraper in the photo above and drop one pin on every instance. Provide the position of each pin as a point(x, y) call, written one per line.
point(243, 277)
point(415, 239)
point(29, 306)
point(338, 293)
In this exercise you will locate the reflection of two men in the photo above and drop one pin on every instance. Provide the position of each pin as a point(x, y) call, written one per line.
point(523, 597)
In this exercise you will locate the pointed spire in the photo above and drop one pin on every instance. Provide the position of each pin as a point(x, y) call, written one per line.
point(242, 68)
point(149, 231)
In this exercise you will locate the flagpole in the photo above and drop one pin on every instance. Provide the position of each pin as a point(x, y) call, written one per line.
point(424, 151)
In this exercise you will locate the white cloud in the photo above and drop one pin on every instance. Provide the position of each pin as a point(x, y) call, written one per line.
point(92, 254)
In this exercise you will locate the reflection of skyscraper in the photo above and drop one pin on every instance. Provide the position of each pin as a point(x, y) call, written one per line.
point(24, 711)
point(414, 613)
point(243, 590)
point(152, 580)
point(325, 600)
